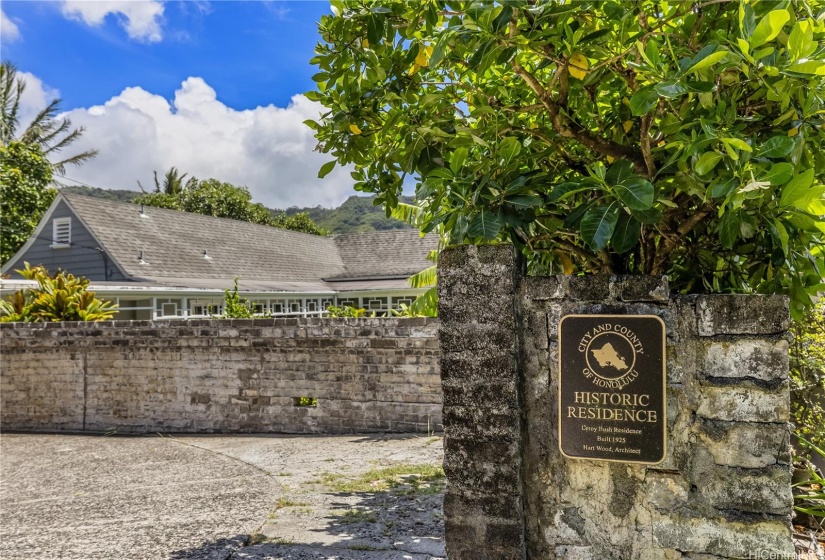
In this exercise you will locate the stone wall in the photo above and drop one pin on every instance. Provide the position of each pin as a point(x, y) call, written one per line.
point(724, 490)
point(221, 376)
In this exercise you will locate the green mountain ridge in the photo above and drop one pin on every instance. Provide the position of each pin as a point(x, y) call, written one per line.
point(356, 214)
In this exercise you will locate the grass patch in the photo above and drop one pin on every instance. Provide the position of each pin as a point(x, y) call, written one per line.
point(424, 479)
point(351, 516)
point(286, 502)
point(257, 538)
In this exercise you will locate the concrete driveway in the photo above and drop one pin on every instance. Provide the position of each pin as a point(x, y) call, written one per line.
point(217, 497)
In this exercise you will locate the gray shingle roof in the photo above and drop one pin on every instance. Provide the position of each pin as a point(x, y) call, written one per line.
point(377, 254)
point(173, 243)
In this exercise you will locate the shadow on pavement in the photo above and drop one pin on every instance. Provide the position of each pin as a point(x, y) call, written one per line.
point(404, 522)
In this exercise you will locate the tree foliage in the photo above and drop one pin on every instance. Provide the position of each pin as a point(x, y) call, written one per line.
point(58, 297)
point(807, 361)
point(652, 137)
point(211, 197)
point(49, 133)
point(25, 194)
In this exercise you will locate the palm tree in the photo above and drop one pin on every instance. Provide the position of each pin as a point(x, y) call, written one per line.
point(172, 182)
point(46, 131)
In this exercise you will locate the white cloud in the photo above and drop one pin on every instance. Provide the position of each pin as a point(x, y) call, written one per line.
point(267, 149)
point(140, 18)
point(8, 29)
point(36, 96)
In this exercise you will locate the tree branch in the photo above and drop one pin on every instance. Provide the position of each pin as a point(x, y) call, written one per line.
point(669, 243)
point(645, 140)
point(584, 137)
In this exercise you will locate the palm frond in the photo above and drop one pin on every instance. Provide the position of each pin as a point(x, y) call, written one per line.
point(426, 304)
point(426, 277)
point(407, 213)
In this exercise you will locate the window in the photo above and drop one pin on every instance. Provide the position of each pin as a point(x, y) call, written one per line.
point(61, 232)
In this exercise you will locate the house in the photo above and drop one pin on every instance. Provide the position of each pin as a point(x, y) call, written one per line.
point(157, 263)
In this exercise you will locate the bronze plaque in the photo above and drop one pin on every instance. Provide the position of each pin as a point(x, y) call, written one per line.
point(612, 402)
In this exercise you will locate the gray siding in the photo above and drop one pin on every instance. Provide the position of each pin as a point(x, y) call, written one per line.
point(81, 259)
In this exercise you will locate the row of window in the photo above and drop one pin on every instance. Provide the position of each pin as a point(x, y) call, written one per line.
point(181, 307)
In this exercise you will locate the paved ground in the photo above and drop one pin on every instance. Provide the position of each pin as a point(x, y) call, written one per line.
point(220, 498)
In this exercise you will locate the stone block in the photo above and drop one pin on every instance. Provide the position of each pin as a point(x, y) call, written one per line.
point(756, 491)
point(746, 445)
point(742, 314)
point(764, 360)
point(640, 288)
point(741, 404)
point(724, 539)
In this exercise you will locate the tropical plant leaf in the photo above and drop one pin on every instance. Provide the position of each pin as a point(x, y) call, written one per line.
point(636, 193)
point(626, 234)
point(598, 224)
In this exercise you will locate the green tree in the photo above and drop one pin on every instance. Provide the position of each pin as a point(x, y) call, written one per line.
point(46, 131)
point(680, 138)
point(211, 197)
point(25, 194)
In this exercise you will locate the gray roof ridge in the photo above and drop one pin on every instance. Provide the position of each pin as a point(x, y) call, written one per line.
point(174, 210)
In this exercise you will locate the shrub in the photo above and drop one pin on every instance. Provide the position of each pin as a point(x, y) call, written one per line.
point(62, 297)
point(234, 306)
point(346, 311)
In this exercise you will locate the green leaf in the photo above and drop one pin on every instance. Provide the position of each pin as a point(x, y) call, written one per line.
point(626, 234)
point(779, 174)
point(574, 217)
point(643, 100)
point(700, 87)
point(326, 168)
point(722, 189)
point(508, 149)
point(649, 216)
point(619, 172)
point(457, 159)
point(440, 48)
point(671, 90)
point(636, 193)
point(781, 235)
point(375, 29)
point(706, 61)
point(707, 162)
point(738, 144)
point(485, 224)
point(810, 67)
point(525, 201)
point(562, 190)
point(797, 190)
point(776, 147)
point(768, 27)
point(729, 229)
point(598, 224)
point(801, 41)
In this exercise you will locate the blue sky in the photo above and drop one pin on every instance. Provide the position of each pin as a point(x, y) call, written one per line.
point(181, 83)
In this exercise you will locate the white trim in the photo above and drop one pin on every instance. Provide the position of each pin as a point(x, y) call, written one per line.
point(58, 227)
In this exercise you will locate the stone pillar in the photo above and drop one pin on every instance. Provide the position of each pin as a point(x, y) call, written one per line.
point(723, 490)
point(482, 430)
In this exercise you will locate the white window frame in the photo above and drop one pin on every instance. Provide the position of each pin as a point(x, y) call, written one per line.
point(57, 224)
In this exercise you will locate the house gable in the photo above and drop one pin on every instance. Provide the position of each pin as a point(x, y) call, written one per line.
point(82, 256)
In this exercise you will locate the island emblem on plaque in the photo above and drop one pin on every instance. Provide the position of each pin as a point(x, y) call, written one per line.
point(612, 400)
